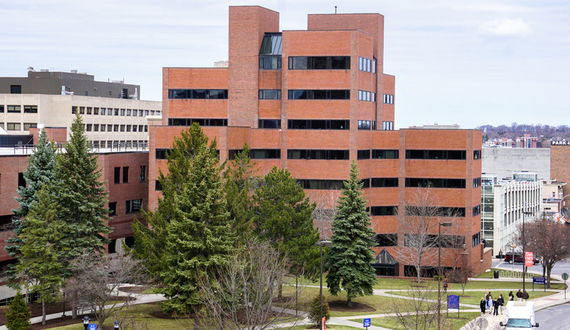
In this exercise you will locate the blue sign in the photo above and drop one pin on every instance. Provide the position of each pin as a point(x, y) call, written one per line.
point(366, 323)
point(452, 302)
point(538, 280)
point(92, 326)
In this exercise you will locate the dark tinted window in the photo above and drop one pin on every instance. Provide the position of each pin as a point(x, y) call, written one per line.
point(385, 154)
point(384, 182)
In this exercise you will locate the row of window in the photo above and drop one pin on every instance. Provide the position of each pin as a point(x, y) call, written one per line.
point(446, 241)
point(318, 124)
point(125, 171)
point(131, 206)
point(388, 125)
point(435, 154)
point(318, 154)
point(435, 183)
point(367, 96)
point(380, 183)
point(200, 121)
point(18, 108)
point(319, 63)
point(366, 124)
point(388, 98)
point(163, 153)
point(113, 111)
point(197, 93)
point(365, 64)
point(270, 62)
point(321, 184)
point(115, 128)
point(319, 94)
point(269, 123)
point(120, 144)
point(18, 126)
point(270, 94)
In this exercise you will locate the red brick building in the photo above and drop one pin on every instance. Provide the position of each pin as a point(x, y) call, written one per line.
point(314, 101)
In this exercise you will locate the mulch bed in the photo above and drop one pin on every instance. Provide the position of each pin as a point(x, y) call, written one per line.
point(340, 306)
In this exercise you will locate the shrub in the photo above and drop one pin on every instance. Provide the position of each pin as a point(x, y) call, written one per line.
point(315, 311)
point(18, 314)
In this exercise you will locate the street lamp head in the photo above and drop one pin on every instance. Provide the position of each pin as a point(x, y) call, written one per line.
point(325, 243)
point(116, 324)
point(445, 224)
point(86, 319)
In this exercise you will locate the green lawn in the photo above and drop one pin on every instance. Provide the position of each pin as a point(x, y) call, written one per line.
point(451, 321)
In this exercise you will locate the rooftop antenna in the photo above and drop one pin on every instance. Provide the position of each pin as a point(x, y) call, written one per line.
point(335, 9)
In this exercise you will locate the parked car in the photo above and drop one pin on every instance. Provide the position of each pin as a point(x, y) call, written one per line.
point(518, 258)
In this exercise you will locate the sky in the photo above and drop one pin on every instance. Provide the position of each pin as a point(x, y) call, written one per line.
point(460, 62)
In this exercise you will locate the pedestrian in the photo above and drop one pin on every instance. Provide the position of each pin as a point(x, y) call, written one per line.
point(445, 285)
point(496, 307)
point(500, 302)
point(519, 295)
point(490, 304)
point(483, 305)
point(511, 297)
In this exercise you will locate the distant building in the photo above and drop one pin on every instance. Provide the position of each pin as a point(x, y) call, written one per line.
point(505, 161)
point(552, 202)
point(504, 203)
point(112, 112)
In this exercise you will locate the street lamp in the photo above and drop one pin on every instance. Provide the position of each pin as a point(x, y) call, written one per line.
point(116, 324)
point(444, 224)
point(326, 243)
point(525, 212)
point(513, 246)
point(86, 322)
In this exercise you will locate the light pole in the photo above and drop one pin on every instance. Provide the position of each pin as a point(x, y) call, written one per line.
point(513, 246)
point(525, 212)
point(445, 224)
point(326, 243)
point(86, 322)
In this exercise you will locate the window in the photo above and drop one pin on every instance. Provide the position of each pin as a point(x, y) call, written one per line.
point(319, 94)
point(364, 95)
point(30, 109)
point(13, 126)
point(265, 154)
point(270, 62)
point(128, 128)
point(476, 182)
point(95, 127)
point(95, 111)
point(89, 110)
point(115, 128)
point(113, 208)
point(477, 154)
point(21, 180)
point(15, 89)
point(321, 184)
point(435, 211)
point(388, 99)
point(318, 154)
point(157, 185)
point(436, 154)
point(162, 153)
point(27, 126)
point(81, 110)
point(318, 124)
point(142, 177)
point(476, 210)
point(435, 183)
point(14, 109)
point(122, 128)
point(109, 112)
point(1, 108)
point(117, 175)
point(133, 206)
point(383, 210)
point(269, 94)
point(475, 240)
point(270, 52)
point(319, 63)
point(365, 183)
point(128, 112)
point(363, 154)
point(365, 64)
point(146, 128)
point(140, 113)
point(103, 111)
point(134, 128)
point(196, 94)
point(140, 128)
point(115, 112)
point(126, 174)
point(88, 127)
point(364, 124)
point(384, 182)
point(269, 123)
point(388, 125)
point(386, 239)
point(103, 127)
point(122, 112)
point(190, 121)
point(385, 154)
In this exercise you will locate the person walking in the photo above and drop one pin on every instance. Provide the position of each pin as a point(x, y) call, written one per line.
point(519, 295)
point(496, 307)
point(500, 303)
point(490, 304)
point(483, 305)
point(511, 297)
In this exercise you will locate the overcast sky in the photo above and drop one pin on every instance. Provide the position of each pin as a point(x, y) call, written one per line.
point(456, 62)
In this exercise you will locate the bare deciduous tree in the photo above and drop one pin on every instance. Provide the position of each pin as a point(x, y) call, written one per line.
point(548, 240)
point(325, 211)
point(462, 272)
point(418, 310)
point(247, 287)
point(418, 220)
point(97, 279)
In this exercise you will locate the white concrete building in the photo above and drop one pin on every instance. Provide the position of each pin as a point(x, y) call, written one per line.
point(503, 207)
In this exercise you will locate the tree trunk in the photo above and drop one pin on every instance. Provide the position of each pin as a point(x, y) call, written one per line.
point(348, 302)
point(73, 305)
point(43, 311)
point(196, 322)
point(548, 270)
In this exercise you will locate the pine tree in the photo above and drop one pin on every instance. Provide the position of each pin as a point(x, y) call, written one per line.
point(283, 217)
point(81, 196)
point(349, 259)
point(39, 172)
point(240, 181)
point(18, 315)
point(39, 266)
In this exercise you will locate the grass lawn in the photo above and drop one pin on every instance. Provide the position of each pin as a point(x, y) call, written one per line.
point(451, 321)
point(474, 297)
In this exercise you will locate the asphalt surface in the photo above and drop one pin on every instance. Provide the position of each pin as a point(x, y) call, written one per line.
point(554, 318)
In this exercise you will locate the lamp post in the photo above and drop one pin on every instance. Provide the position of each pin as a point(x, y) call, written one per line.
point(513, 246)
point(444, 224)
point(86, 322)
point(327, 244)
point(525, 212)
point(116, 324)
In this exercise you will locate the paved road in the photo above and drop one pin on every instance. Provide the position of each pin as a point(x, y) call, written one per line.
point(554, 318)
point(559, 268)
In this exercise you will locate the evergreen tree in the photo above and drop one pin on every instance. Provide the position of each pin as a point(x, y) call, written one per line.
point(349, 259)
point(39, 266)
point(240, 182)
point(18, 315)
point(150, 235)
point(81, 196)
point(283, 217)
point(39, 172)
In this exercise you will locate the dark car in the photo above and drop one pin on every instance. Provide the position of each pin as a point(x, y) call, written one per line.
point(519, 258)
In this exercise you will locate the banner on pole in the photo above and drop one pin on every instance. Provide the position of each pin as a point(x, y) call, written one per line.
point(528, 259)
